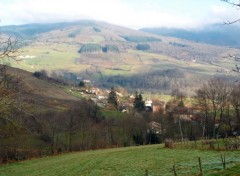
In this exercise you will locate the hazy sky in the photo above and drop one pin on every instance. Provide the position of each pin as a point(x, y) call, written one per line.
point(129, 13)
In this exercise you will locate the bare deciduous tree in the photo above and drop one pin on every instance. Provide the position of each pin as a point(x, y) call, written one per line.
point(235, 100)
point(236, 4)
point(214, 95)
point(9, 48)
point(203, 103)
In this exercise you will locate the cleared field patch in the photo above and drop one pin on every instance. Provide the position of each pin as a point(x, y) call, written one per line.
point(132, 161)
point(49, 57)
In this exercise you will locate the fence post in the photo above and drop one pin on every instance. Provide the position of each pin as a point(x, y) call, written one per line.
point(174, 170)
point(200, 167)
point(223, 159)
point(146, 172)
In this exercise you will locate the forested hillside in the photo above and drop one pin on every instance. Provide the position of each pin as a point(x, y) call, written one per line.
point(110, 55)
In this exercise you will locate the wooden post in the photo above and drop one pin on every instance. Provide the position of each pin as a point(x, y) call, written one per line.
point(223, 159)
point(180, 128)
point(200, 166)
point(174, 170)
point(146, 172)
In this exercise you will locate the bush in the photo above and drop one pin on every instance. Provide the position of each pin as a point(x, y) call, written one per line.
point(168, 143)
point(40, 74)
point(143, 47)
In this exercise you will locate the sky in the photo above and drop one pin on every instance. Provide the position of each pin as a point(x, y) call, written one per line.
point(129, 13)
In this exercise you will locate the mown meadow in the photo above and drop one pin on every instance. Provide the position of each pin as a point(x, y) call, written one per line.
point(131, 161)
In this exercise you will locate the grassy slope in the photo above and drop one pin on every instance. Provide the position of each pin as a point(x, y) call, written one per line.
point(126, 161)
point(54, 50)
point(31, 84)
point(39, 95)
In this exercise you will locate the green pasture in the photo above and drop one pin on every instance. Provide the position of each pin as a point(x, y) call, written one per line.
point(112, 114)
point(48, 57)
point(129, 161)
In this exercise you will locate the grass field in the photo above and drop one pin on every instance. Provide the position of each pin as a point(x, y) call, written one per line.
point(130, 161)
point(56, 56)
point(112, 114)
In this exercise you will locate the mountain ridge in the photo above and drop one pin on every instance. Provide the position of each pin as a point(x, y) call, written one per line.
point(218, 34)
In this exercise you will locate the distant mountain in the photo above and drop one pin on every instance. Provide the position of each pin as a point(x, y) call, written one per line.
point(223, 35)
point(111, 55)
point(31, 30)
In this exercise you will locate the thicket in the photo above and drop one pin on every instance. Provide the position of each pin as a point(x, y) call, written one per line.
point(143, 47)
point(156, 80)
point(138, 39)
point(72, 35)
point(110, 48)
point(96, 29)
point(178, 44)
point(91, 48)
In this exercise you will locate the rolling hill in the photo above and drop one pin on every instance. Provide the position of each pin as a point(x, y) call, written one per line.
point(112, 55)
point(41, 95)
point(219, 34)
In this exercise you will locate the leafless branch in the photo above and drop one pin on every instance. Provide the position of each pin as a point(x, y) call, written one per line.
point(237, 5)
point(9, 49)
point(231, 22)
point(232, 3)
point(237, 69)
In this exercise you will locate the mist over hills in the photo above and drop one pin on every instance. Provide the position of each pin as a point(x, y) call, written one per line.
point(111, 55)
point(219, 34)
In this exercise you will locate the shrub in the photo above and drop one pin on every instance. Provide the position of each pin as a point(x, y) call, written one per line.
point(143, 47)
point(40, 74)
point(168, 143)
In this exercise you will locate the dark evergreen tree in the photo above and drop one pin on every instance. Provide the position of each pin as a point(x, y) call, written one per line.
point(81, 84)
point(112, 98)
point(138, 102)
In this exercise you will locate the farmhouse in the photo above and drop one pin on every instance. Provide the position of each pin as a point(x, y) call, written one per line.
point(148, 105)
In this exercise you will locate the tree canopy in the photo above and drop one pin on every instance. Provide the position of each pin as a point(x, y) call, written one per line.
point(112, 98)
point(138, 102)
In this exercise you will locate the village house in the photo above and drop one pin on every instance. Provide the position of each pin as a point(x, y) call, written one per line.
point(148, 105)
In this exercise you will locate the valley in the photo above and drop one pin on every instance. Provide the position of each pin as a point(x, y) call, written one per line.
point(56, 48)
point(88, 86)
